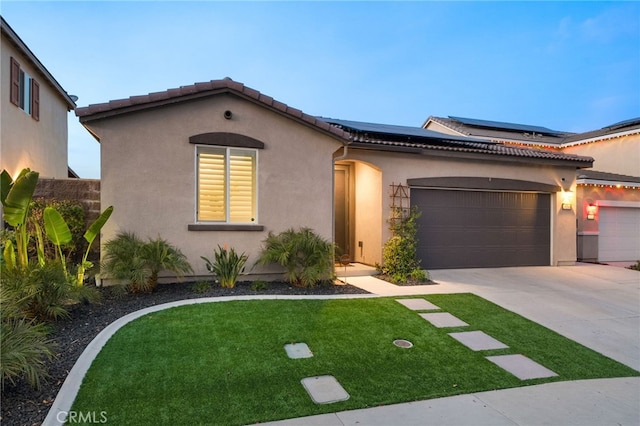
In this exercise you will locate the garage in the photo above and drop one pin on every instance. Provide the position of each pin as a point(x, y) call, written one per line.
point(619, 239)
point(478, 228)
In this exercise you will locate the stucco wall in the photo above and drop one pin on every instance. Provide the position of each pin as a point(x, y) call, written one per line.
point(24, 142)
point(368, 210)
point(398, 168)
point(620, 155)
point(148, 174)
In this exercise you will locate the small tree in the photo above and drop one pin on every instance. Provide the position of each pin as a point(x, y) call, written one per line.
point(399, 253)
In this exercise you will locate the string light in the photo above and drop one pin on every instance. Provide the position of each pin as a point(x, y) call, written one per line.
point(614, 186)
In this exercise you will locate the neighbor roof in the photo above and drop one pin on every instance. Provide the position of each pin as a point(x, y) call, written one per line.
point(11, 35)
point(416, 139)
point(621, 128)
point(594, 175)
point(502, 131)
point(199, 90)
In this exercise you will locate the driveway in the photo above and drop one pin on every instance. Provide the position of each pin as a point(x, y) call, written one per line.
point(595, 305)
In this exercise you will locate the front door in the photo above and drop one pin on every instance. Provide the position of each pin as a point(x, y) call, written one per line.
point(342, 190)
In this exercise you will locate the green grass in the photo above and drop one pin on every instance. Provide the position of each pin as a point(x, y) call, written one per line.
point(224, 363)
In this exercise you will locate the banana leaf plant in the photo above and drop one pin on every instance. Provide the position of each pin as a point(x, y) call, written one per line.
point(16, 197)
point(92, 232)
point(59, 233)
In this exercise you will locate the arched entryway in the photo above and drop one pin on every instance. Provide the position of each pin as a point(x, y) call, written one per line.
point(358, 211)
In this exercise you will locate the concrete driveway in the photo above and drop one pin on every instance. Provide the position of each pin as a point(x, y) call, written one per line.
point(595, 305)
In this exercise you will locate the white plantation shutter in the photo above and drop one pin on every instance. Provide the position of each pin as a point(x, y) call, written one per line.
point(226, 185)
point(211, 185)
point(241, 186)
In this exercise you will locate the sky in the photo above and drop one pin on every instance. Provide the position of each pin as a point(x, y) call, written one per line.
point(570, 66)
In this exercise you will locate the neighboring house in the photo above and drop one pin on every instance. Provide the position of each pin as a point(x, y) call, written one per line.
point(219, 163)
point(33, 110)
point(608, 197)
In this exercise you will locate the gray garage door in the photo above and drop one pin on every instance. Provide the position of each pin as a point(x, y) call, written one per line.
point(475, 229)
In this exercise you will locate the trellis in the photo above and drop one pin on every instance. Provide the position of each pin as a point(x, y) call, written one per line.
point(400, 204)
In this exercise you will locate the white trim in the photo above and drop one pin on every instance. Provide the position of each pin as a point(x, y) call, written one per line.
point(588, 233)
point(612, 203)
point(601, 138)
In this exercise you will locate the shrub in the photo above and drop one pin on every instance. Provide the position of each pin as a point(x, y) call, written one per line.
point(226, 265)
point(306, 257)
point(201, 287)
point(139, 263)
point(399, 252)
point(259, 285)
point(25, 345)
point(635, 267)
point(44, 291)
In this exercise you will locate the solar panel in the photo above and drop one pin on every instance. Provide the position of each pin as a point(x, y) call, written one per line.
point(506, 126)
point(390, 129)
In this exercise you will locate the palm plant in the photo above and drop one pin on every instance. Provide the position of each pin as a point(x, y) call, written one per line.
point(227, 265)
point(159, 256)
point(139, 263)
point(306, 257)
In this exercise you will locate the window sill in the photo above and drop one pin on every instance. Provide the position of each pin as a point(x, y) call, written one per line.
point(223, 227)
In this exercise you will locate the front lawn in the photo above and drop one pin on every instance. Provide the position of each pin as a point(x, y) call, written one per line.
point(224, 363)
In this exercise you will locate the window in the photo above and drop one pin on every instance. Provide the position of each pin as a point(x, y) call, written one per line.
point(226, 185)
point(25, 91)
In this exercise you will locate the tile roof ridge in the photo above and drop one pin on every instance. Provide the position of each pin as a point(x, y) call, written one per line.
point(202, 89)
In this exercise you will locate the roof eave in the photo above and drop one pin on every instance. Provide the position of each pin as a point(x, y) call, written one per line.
point(583, 163)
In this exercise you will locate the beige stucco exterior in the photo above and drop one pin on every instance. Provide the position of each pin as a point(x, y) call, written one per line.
point(620, 155)
point(149, 174)
point(382, 169)
point(24, 142)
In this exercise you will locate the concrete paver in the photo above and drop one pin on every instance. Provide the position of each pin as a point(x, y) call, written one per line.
point(521, 366)
point(418, 304)
point(478, 340)
point(324, 389)
point(298, 350)
point(443, 320)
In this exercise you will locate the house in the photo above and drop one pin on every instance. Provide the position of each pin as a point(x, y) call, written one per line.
point(608, 197)
point(218, 163)
point(34, 109)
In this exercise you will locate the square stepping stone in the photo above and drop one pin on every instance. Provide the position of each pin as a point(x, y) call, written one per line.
point(418, 304)
point(443, 319)
point(298, 350)
point(521, 366)
point(478, 340)
point(324, 389)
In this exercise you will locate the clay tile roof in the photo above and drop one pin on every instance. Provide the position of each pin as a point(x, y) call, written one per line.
point(416, 139)
point(197, 90)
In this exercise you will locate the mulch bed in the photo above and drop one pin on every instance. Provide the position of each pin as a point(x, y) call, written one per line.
point(22, 405)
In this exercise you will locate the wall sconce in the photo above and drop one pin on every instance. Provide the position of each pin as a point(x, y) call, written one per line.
point(567, 197)
point(592, 209)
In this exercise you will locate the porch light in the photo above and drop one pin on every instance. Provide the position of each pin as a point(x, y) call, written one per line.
point(592, 209)
point(567, 197)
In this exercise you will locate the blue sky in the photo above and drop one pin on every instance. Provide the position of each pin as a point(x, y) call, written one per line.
point(572, 66)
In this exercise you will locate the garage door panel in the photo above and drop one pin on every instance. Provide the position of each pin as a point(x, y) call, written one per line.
point(468, 229)
point(619, 234)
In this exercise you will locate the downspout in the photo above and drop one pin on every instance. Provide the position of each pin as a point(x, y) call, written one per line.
point(345, 152)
